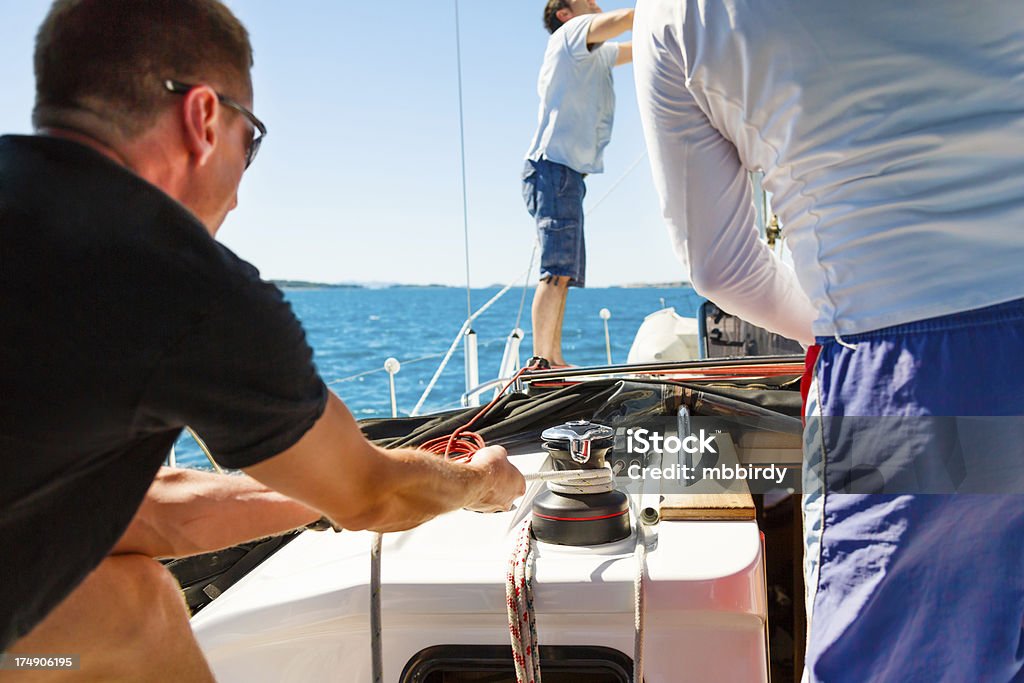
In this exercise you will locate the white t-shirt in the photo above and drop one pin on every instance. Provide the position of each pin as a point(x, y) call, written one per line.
point(577, 100)
point(891, 135)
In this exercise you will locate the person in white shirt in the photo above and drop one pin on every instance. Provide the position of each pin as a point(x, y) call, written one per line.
point(891, 135)
point(577, 107)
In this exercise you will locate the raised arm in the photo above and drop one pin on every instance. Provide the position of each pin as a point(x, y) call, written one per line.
point(607, 25)
point(333, 468)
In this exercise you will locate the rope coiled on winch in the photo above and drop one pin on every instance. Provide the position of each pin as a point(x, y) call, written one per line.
point(598, 480)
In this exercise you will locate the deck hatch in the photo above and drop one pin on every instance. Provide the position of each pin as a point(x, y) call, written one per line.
point(493, 664)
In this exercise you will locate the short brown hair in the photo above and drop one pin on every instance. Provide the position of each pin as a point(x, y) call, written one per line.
point(110, 57)
point(551, 22)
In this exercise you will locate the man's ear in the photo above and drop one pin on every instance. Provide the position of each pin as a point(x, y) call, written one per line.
point(564, 14)
point(199, 117)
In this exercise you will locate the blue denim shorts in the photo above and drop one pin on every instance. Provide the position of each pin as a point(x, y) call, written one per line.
point(920, 584)
point(554, 197)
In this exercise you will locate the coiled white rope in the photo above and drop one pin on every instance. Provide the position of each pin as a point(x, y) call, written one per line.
point(576, 481)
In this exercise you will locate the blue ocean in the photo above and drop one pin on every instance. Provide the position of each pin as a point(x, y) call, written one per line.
point(354, 330)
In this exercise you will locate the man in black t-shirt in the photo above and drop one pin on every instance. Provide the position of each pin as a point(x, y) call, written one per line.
point(123, 321)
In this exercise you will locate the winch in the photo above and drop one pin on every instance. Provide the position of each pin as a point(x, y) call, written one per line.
point(589, 512)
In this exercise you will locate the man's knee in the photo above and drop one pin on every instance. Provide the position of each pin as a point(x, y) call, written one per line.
point(128, 599)
point(125, 618)
point(148, 596)
point(556, 280)
point(153, 631)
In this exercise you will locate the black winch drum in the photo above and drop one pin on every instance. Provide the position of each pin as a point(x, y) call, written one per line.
point(580, 519)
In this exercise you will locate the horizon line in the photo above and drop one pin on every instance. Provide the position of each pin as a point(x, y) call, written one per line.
point(311, 284)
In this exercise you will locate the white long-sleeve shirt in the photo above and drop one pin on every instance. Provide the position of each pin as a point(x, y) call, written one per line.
point(891, 135)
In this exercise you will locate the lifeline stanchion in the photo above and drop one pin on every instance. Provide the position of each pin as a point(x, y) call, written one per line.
point(376, 635)
point(472, 366)
point(392, 366)
point(605, 315)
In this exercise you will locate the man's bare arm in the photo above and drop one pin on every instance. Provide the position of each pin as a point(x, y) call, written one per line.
point(333, 468)
point(607, 25)
point(625, 54)
point(187, 512)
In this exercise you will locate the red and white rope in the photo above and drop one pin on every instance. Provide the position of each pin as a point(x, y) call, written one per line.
point(522, 621)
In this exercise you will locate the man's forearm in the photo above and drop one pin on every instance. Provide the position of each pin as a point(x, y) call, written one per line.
point(411, 487)
point(187, 512)
point(333, 468)
point(607, 25)
point(390, 490)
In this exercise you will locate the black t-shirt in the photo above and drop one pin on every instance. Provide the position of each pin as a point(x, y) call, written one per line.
point(123, 321)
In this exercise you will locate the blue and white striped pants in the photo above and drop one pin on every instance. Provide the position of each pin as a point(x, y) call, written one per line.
point(916, 585)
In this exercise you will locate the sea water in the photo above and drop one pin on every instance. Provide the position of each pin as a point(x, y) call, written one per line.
point(354, 330)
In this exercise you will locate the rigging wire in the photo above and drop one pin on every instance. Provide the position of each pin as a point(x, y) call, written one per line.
point(411, 361)
point(458, 337)
point(462, 153)
point(616, 184)
point(526, 284)
point(381, 369)
point(470, 316)
point(205, 449)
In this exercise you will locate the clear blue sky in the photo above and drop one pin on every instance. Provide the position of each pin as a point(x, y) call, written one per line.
point(359, 179)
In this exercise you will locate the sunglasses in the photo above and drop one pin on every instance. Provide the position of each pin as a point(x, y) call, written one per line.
point(179, 88)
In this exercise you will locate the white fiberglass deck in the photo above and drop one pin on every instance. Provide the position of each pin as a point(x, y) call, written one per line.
point(303, 615)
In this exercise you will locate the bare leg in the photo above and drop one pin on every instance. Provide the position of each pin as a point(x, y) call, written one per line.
point(127, 621)
point(561, 323)
point(548, 312)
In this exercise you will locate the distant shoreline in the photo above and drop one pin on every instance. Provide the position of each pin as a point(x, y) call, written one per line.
point(303, 284)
